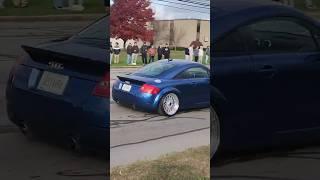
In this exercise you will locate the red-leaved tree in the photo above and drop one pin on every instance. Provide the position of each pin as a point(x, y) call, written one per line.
point(129, 18)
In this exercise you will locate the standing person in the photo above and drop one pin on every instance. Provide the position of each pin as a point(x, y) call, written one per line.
point(201, 53)
point(196, 54)
point(129, 54)
point(144, 53)
point(20, 3)
point(166, 51)
point(207, 54)
point(111, 52)
point(116, 52)
point(152, 53)
point(186, 53)
point(58, 4)
point(1, 4)
point(191, 52)
point(76, 5)
point(160, 52)
point(135, 52)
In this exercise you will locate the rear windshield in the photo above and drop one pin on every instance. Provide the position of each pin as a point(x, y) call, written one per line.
point(97, 30)
point(95, 34)
point(154, 69)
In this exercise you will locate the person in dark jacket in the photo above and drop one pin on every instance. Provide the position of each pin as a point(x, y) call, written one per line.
point(159, 52)
point(196, 53)
point(129, 54)
point(111, 53)
point(144, 53)
point(166, 52)
point(135, 52)
point(186, 53)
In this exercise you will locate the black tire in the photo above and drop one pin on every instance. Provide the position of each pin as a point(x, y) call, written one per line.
point(161, 110)
point(215, 139)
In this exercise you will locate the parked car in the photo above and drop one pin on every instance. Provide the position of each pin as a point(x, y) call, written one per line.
point(60, 89)
point(266, 76)
point(165, 86)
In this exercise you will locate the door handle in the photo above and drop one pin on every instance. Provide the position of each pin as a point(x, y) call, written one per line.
point(193, 83)
point(267, 71)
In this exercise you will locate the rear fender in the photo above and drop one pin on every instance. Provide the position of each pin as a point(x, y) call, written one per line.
point(164, 92)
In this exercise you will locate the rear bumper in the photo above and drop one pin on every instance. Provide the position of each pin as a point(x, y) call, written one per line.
point(61, 118)
point(141, 101)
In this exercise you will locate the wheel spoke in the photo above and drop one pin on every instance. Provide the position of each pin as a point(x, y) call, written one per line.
point(170, 104)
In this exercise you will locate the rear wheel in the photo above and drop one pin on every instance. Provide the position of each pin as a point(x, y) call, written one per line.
point(214, 133)
point(169, 104)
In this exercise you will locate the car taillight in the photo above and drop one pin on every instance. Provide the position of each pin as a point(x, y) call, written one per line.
point(150, 89)
point(102, 89)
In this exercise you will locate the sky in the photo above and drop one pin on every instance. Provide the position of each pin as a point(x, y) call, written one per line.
point(180, 9)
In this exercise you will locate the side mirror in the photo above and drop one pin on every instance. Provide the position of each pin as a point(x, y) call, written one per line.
point(61, 39)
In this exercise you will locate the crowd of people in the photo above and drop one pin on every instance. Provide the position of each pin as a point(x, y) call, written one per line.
point(197, 53)
point(149, 53)
point(76, 5)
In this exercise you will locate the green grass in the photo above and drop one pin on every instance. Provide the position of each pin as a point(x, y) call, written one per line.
point(123, 58)
point(193, 164)
point(300, 4)
point(45, 7)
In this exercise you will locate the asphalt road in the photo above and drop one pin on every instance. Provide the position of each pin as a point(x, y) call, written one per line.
point(21, 159)
point(137, 135)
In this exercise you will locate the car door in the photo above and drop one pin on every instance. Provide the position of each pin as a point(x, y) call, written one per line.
point(202, 82)
point(286, 65)
point(187, 84)
point(233, 77)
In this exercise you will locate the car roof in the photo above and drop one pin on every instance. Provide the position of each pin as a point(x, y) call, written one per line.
point(229, 14)
point(178, 62)
point(225, 7)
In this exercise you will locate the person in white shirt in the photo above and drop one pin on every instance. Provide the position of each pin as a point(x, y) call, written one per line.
point(191, 52)
point(201, 53)
point(207, 54)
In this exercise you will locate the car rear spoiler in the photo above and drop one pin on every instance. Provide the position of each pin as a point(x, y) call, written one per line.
point(132, 79)
point(44, 56)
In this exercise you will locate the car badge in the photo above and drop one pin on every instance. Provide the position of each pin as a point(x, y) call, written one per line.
point(55, 65)
point(157, 81)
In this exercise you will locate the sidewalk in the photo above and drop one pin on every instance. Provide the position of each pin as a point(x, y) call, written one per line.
point(69, 17)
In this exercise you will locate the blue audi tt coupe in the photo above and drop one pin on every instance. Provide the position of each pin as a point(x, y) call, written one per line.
point(61, 89)
point(265, 85)
point(165, 86)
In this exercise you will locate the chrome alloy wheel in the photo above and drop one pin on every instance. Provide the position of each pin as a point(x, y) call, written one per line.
point(214, 132)
point(170, 104)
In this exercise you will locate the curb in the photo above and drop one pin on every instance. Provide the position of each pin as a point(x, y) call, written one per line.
point(71, 17)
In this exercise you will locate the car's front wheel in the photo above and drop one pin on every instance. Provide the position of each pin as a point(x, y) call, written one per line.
point(214, 133)
point(169, 104)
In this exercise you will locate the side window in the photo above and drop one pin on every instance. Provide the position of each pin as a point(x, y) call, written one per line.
point(279, 35)
point(193, 73)
point(231, 44)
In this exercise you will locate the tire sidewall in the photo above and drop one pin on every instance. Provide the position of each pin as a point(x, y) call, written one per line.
point(213, 114)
